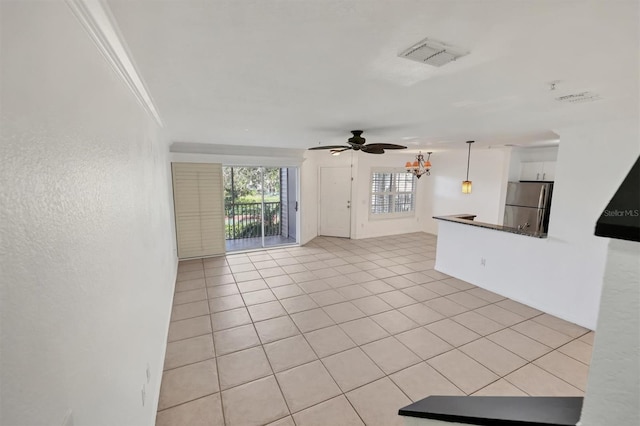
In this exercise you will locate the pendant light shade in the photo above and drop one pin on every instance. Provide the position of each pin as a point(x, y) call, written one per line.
point(466, 184)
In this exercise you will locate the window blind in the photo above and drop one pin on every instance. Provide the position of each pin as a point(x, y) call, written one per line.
point(392, 193)
point(199, 209)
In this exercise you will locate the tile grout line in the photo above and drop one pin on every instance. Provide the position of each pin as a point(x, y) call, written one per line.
point(390, 335)
point(324, 366)
point(271, 367)
point(542, 368)
point(298, 284)
point(215, 355)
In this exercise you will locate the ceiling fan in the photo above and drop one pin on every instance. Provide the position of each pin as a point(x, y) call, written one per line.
point(356, 143)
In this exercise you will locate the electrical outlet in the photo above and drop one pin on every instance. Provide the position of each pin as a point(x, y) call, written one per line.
point(144, 394)
point(483, 261)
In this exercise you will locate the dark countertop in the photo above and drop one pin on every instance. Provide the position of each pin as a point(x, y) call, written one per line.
point(467, 219)
point(498, 410)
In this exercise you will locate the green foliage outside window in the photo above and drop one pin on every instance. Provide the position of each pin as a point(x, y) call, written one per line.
point(243, 187)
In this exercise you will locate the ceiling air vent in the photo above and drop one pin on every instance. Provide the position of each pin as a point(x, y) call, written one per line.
point(433, 53)
point(579, 97)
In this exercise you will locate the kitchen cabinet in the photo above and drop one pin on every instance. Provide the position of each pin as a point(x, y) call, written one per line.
point(538, 170)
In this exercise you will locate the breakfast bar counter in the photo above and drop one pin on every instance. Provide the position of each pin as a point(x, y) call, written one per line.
point(468, 219)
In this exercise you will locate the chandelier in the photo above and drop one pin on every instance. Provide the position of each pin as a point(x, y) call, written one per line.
point(419, 167)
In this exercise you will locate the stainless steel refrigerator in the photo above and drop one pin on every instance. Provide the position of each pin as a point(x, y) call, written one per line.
point(528, 205)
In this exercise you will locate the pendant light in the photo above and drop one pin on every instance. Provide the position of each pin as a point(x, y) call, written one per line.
point(466, 184)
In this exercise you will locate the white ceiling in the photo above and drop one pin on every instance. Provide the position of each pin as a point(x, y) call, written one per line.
point(295, 74)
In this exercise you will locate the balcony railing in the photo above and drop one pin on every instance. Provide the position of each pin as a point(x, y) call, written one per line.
point(244, 220)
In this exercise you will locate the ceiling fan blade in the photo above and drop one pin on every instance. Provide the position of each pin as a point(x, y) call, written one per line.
point(330, 147)
point(369, 149)
point(386, 146)
point(341, 149)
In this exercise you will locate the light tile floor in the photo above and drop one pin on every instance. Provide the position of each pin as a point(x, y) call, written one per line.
point(256, 243)
point(346, 332)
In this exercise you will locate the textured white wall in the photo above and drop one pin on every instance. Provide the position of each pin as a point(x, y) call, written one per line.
point(613, 389)
point(87, 253)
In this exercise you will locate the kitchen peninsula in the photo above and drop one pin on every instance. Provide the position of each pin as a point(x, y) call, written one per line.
point(468, 219)
point(513, 263)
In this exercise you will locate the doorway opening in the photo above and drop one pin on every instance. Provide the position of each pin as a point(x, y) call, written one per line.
point(260, 206)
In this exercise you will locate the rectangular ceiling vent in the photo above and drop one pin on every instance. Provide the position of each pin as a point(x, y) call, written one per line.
point(433, 53)
point(579, 97)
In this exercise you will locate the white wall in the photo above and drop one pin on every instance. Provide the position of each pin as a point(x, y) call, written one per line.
point(437, 194)
point(614, 375)
point(367, 226)
point(237, 160)
point(562, 274)
point(88, 262)
point(520, 155)
point(362, 225)
point(308, 200)
point(488, 172)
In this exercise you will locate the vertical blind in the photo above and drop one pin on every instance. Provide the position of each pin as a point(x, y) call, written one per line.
point(199, 209)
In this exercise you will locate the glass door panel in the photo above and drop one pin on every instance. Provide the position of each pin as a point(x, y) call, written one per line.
point(243, 207)
point(280, 195)
point(260, 207)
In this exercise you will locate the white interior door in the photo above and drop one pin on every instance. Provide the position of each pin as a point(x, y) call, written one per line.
point(335, 201)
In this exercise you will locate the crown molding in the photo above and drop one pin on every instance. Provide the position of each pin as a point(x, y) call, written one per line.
point(240, 150)
point(97, 20)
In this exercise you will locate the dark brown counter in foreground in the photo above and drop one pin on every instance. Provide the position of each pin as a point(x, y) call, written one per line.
point(498, 410)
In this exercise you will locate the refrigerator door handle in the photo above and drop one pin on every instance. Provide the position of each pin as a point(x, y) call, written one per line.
point(542, 197)
point(539, 222)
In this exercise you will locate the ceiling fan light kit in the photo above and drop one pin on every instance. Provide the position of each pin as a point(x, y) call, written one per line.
point(357, 143)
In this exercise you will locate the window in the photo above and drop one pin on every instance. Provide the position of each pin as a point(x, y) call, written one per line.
point(393, 193)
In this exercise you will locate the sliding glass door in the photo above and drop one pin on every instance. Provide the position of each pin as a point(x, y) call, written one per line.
point(258, 204)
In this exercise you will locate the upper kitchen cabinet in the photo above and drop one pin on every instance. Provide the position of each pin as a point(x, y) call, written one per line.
point(538, 170)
